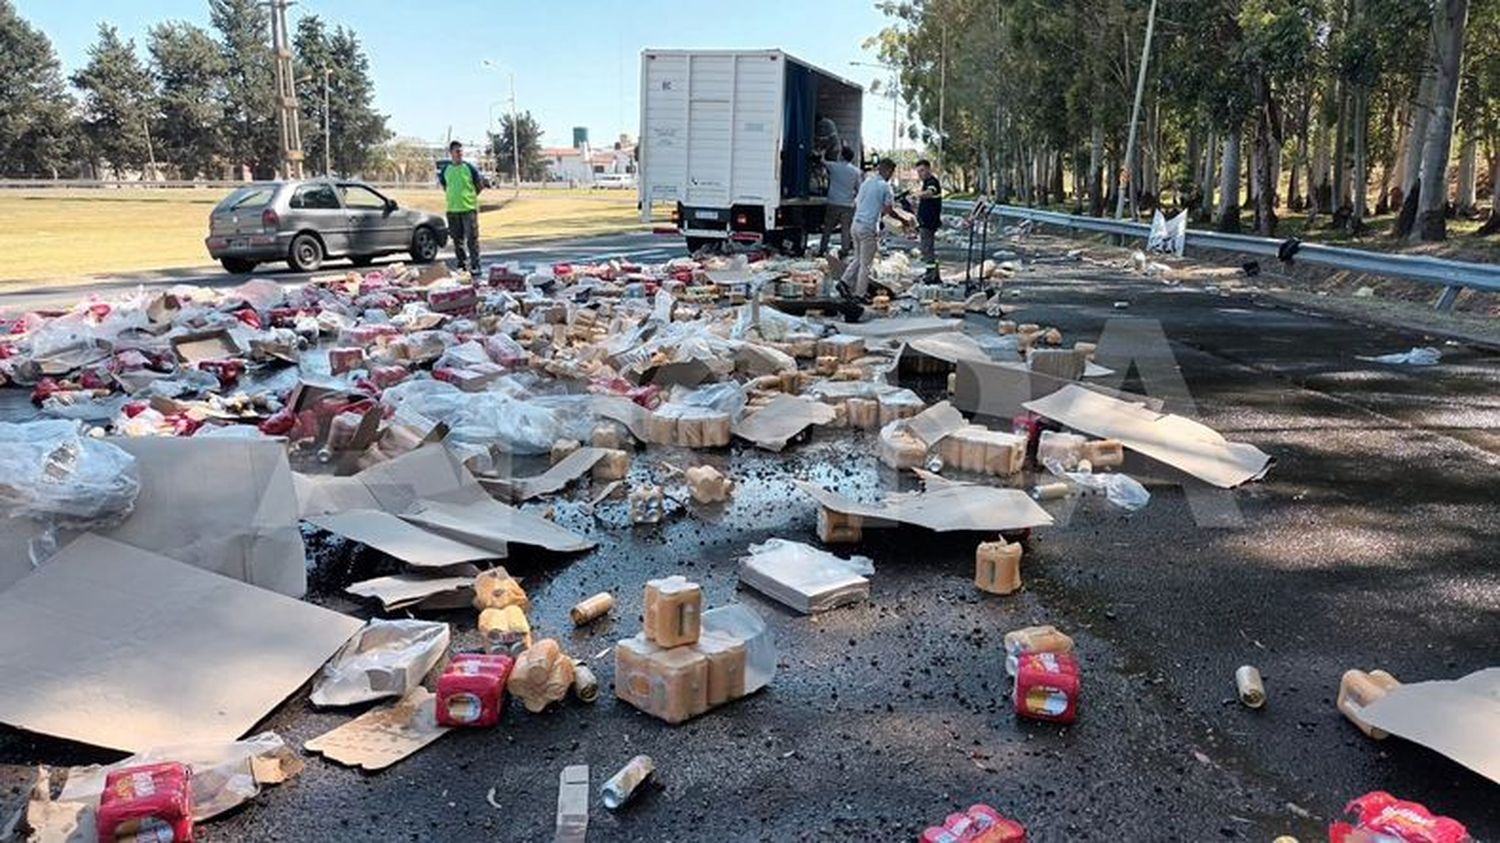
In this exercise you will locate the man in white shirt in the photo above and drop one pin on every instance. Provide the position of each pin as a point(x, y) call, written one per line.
point(843, 182)
point(874, 200)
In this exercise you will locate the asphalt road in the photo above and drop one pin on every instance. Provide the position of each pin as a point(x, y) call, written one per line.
point(1371, 543)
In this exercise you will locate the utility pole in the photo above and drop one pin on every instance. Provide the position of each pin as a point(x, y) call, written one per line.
point(286, 91)
point(327, 143)
point(1128, 184)
point(150, 154)
point(515, 136)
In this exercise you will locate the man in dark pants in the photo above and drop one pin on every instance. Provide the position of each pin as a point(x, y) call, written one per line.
point(929, 210)
point(461, 182)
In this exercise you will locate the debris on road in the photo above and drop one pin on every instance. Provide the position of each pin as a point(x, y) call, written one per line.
point(542, 675)
point(1359, 690)
point(384, 659)
point(1420, 356)
point(1047, 686)
point(382, 736)
point(623, 786)
point(997, 567)
point(572, 804)
point(1379, 816)
point(1249, 687)
point(587, 611)
point(804, 578)
point(1458, 718)
point(977, 824)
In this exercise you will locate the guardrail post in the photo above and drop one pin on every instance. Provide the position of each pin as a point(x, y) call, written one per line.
point(1448, 297)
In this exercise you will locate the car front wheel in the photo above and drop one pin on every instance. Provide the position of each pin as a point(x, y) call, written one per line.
point(424, 245)
point(305, 254)
point(238, 266)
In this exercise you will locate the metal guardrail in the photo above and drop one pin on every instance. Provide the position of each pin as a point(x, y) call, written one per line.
point(1453, 276)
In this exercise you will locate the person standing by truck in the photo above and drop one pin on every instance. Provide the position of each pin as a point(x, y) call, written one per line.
point(873, 201)
point(843, 183)
point(929, 210)
point(462, 183)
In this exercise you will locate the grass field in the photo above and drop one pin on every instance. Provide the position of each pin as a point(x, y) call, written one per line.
point(64, 233)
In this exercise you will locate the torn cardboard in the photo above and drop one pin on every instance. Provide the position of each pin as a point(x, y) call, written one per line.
point(121, 648)
point(786, 416)
point(224, 505)
point(1458, 718)
point(567, 470)
point(936, 423)
point(1175, 440)
point(392, 536)
point(430, 488)
point(417, 591)
point(382, 736)
point(197, 347)
point(943, 507)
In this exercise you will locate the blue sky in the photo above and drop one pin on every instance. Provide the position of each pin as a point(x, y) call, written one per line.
point(576, 63)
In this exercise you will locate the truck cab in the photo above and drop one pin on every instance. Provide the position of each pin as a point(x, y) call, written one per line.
point(733, 141)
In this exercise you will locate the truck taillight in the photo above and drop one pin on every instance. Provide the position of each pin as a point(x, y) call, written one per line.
point(269, 219)
point(741, 219)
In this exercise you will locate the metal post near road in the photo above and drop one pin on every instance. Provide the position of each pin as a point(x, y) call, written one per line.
point(1128, 184)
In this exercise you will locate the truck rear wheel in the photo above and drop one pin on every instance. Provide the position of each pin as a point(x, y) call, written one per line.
point(713, 244)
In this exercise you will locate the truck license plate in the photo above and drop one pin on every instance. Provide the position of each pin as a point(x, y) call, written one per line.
point(705, 215)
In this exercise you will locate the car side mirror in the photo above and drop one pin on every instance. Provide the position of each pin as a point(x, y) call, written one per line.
point(390, 205)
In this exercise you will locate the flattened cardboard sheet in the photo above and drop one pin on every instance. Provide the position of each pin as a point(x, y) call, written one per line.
point(567, 470)
point(943, 507)
point(1459, 718)
point(382, 736)
point(390, 535)
point(117, 647)
point(786, 416)
point(1175, 440)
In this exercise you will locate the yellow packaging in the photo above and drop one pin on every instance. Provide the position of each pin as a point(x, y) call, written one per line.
point(1104, 453)
point(505, 630)
point(1358, 689)
point(839, 527)
point(496, 589)
point(614, 465)
point(542, 675)
point(726, 666)
point(997, 567)
point(674, 609)
point(671, 684)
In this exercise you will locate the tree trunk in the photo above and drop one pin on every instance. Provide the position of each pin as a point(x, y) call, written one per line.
point(1449, 19)
point(1194, 166)
point(1340, 199)
point(1210, 175)
point(1468, 175)
point(1318, 191)
point(1416, 139)
point(1096, 171)
point(1492, 225)
point(1229, 201)
point(1394, 117)
point(1359, 208)
point(1264, 193)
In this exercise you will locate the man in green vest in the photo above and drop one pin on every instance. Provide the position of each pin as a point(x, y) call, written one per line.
point(462, 183)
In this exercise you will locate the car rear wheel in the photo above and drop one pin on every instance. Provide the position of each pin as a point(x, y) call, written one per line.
point(424, 245)
point(238, 266)
point(305, 254)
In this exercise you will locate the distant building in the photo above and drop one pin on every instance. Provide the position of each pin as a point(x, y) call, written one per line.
point(580, 163)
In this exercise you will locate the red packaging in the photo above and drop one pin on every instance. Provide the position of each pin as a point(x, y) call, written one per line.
point(453, 300)
point(249, 317)
point(227, 371)
point(1047, 686)
point(341, 360)
point(46, 388)
point(471, 692)
point(385, 377)
point(1030, 425)
point(152, 802)
point(979, 824)
point(1385, 817)
point(503, 278)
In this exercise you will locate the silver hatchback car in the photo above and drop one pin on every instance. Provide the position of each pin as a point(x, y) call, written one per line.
point(306, 222)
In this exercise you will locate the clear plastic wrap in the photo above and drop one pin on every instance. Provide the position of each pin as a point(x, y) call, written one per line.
point(50, 471)
point(727, 397)
point(493, 418)
point(741, 622)
point(384, 659)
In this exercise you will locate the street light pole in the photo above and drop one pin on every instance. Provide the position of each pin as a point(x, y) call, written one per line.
point(895, 95)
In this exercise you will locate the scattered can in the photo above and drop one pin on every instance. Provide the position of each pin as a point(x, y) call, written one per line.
point(585, 684)
point(1252, 691)
point(592, 609)
point(1051, 491)
point(622, 786)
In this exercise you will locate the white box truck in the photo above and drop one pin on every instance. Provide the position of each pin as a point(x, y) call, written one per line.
point(732, 141)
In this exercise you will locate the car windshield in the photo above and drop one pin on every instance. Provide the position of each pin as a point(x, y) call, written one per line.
point(248, 197)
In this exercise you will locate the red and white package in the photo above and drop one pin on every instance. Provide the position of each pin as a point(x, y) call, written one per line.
point(151, 802)
point(1382, 818)
point(979, 824)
